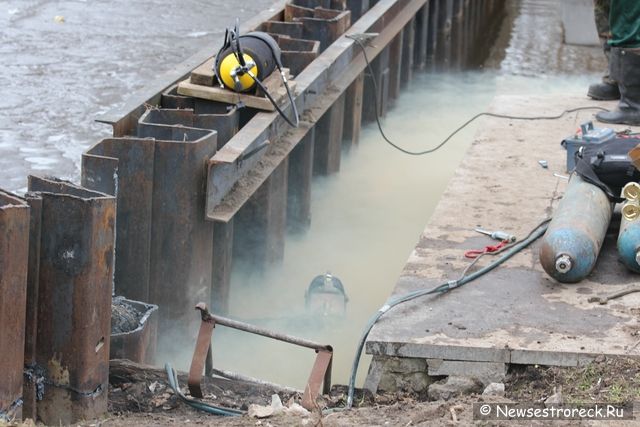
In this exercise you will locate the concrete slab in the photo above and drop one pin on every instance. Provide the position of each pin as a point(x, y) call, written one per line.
point(515, 314)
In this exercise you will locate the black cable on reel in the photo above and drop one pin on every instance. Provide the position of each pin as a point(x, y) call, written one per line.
point(232, 42)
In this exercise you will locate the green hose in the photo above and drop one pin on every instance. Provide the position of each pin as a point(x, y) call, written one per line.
point(441, 289)
point(197, 404)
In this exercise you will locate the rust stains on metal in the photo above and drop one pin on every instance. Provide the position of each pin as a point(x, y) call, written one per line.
point(319, 379)
point(14, 250)
point(74, 298)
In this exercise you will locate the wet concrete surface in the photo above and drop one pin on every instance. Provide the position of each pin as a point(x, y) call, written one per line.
point(516, 313)
point(58, 75)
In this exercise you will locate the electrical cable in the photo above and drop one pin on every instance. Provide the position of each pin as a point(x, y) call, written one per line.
point(465, 124)
point(510, 251)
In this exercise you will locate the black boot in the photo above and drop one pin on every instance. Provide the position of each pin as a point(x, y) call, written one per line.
point(607, 90)
point(625, 69)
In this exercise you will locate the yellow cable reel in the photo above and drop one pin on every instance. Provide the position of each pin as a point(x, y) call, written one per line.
point(228, 67)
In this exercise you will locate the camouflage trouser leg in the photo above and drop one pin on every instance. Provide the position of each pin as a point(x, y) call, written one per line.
point(601, 12)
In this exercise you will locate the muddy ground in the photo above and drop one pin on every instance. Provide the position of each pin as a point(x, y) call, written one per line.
point(142, 397)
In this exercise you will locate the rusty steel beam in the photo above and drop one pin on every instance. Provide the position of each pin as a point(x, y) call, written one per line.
point(326, 25)
point(357, 8)
point(221, 265)
point(299, 184)
point(14, 254)
point(74, 299)
point(353, 112)
point(379, 101)
point(31, 381)
point(328, 139)
point(223, 118)
point(128, 165)
point(260, 225)
point(298, 53)
point(160, 191)
point(318, 86)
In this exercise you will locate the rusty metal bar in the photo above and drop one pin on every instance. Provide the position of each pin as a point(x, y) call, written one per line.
point(14, 253)
point(256, 330)
point(245, 378)
point(74, 299)
point(319, 379)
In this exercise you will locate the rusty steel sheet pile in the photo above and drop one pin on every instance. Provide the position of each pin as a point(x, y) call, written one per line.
point(14, 250)
point(75, 275)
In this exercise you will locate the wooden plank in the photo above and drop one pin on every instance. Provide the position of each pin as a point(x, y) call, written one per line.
point(273, 84)
point(337, 67)
point(203, 74)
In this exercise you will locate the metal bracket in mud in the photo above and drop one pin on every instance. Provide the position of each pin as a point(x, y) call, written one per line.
point(319, 380)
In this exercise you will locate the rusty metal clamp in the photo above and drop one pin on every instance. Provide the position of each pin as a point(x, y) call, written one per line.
point(319, 380)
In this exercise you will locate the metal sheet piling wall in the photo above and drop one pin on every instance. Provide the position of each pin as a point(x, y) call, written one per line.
point(75, 278)
point(14, 251)
point(252, 200)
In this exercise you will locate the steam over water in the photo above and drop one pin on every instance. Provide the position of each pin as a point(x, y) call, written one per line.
point(366, 220)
